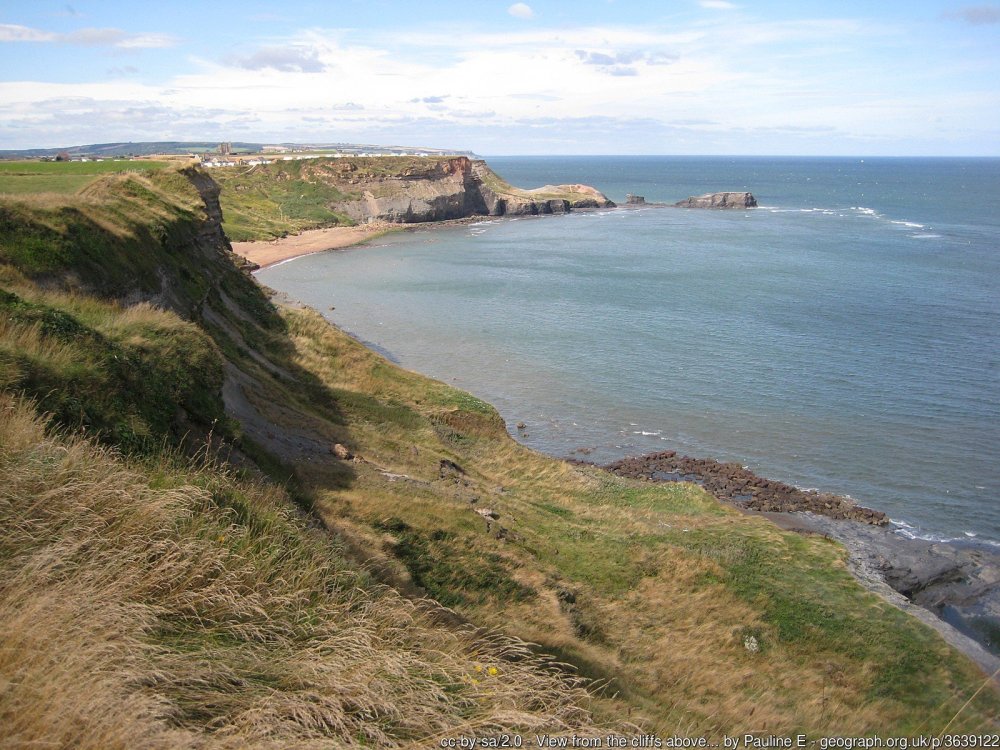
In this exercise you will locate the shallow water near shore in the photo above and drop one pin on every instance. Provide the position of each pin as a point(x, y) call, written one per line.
point(844, 336)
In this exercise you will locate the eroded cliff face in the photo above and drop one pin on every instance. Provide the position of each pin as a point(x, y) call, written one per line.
point(501, 199)
point(442, 189)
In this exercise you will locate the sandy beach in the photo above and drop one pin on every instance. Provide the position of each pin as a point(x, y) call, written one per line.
point(268, 252)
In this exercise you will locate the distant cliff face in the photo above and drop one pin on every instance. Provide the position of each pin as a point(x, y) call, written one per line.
point(289, 196)
point(456, 188)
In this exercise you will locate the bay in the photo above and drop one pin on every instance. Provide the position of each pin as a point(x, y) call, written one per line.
point(843, 336)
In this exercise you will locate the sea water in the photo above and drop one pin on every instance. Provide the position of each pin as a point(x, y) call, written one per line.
point(845, 335)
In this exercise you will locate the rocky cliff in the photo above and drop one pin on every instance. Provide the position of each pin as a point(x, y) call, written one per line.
point(452, 189)
point(719, 200)
point(286, 197)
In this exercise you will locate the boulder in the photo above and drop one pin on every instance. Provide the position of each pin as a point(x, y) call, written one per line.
point(341, 452)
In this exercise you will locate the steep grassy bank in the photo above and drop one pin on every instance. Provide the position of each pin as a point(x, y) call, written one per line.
point(688, 616)
point(167, 604)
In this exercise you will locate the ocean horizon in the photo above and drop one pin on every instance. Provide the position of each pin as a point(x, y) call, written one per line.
point(843, 336)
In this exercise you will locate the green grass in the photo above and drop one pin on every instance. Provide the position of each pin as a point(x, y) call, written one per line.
point(136, 378)
point(108, 166)
point(27, 184)
point(273, 200)
point(28, 177)
point(167, 603)
point(667, 581)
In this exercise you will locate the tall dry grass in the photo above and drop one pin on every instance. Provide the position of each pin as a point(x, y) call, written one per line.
point(149, 606)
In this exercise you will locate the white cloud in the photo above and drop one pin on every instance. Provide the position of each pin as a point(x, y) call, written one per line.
point(287, 59)
point(717, 5)
point(146, 41)
point(10, 32)
point(108, 37)
point(521, 10)
point(714, 84)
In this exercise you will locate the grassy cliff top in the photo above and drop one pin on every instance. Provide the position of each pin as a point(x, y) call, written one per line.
point(67, 177)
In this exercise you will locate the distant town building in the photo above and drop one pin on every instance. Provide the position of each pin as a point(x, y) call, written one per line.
point(225, 148)
point(275, 149)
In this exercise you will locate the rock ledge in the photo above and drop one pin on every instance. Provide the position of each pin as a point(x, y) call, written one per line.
point(719, 200)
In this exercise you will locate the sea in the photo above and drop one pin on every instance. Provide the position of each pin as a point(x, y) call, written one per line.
point(843, 336)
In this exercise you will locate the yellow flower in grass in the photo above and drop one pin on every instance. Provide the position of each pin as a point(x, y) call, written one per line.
point(479, 667)
point(492, 671)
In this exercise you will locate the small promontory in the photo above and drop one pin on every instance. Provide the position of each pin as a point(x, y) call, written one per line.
point(265, 201)
point(719, 200)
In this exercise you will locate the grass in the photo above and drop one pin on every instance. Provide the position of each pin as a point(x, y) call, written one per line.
point(168, 604)
point(31, 177)
point(133, 377)
point(220, 614)
point(267, 201)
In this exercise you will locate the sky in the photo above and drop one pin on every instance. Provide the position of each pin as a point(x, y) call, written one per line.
point(755, 77)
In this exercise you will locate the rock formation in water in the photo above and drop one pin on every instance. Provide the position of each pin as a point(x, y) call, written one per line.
point(719, 200)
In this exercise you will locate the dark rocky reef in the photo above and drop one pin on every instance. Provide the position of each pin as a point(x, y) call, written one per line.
point(719, 200)
point(729, 481)
point(635, 200)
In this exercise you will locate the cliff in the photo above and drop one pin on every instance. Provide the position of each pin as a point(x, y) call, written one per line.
point(290, 196)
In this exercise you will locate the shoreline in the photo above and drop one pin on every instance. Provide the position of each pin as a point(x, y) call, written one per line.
point(953, 587)
point(949, 586)
point(268, 253)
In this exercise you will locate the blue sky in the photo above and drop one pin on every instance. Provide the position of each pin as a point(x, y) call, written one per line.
point(536, 77)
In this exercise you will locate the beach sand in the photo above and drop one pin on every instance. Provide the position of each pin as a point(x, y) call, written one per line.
point(268, 252)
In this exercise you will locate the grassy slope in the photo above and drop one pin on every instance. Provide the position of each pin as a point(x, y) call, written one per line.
point(651, 590)
point(273, 200)
point(165, 604)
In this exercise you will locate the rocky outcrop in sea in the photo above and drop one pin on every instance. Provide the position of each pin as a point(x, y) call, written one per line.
point(719, 200)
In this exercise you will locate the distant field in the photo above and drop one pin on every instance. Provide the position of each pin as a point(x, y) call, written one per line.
point(26, 177)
